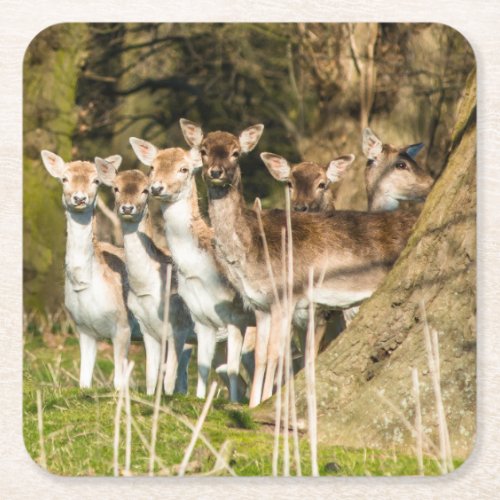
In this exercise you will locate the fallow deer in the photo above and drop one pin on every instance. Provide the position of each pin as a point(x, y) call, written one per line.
point(214, 305)
point(354, 250)
point(146, 268)
point(310, 186)
point(310, 183)
point(392, 174)
point(95, 287)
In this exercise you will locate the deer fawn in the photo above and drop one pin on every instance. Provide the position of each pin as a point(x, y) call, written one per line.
point(146, 268)
point(309, 182)
point(354, 250)
point(212, 301)
point(96, 286)
point(392, 174)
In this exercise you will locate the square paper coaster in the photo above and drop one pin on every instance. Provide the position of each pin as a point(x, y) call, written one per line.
point(249, 249)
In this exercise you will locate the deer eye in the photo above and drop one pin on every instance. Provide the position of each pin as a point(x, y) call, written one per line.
point(235, 154)
point(289, 184)
point(322, 185)
point(183, 170)
point(64, 179)
point(401, 165)
point(203, 152)
point(116, 190)
point(145, 191)
point(96, 181)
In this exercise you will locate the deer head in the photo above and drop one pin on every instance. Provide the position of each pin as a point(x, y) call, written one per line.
point(171, 170)
point(220, 151)
point(392, 174)
point(309, 182)
point(80, 180)
point(130, 189)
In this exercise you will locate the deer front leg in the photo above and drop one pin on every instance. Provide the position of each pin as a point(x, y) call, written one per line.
point(273, 352)
point(180, 325)
point(234, 344)
point(88, 350)
point(261, 344)
point(206, 349)
point(153, 349)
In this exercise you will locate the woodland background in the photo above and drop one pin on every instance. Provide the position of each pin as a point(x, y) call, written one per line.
point(88, 87)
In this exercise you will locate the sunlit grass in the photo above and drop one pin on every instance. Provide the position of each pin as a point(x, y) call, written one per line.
point(78, 424)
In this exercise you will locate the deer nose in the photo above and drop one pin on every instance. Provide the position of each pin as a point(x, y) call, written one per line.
point(127, 209)
point(215, 173)
point(79, 198)
point(156, 189)
point(300, 208)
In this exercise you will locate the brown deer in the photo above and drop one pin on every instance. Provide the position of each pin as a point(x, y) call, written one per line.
point(216, 310)
point(354, 250)
point(147, 267)
point(95, 286)
point(392, 174)
point(310, 183)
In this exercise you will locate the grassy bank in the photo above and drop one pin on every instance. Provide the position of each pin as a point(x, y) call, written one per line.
point(78, 425)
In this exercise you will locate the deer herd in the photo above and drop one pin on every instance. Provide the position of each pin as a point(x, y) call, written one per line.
point(224, 296)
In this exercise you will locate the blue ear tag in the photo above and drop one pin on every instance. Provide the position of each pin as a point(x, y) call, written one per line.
point(414, 149)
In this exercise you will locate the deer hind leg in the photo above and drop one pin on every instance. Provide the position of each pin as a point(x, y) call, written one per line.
point(88, 350)
point(181, 382)
point(273, 352)
point(261, 344)
point(248, 351)
point(121, 343)
point(206, 349)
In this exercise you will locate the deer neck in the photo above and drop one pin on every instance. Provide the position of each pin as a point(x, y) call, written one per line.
point(227, 209)
point(381, 202)
point(80, 251)
point(187, 234)
point(141, 260)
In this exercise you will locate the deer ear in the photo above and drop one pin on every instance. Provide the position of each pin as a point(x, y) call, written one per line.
point(144, 150)
point(413, 149)
point(115, 160)
point(106, 170)
point(195, 158)
point(372, 145)
point(250, 137)
point(277, 165)
point(192, 132)
point(337, 168)
point(53, 163)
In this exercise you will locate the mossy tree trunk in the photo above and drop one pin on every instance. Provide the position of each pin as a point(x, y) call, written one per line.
point(52, 65)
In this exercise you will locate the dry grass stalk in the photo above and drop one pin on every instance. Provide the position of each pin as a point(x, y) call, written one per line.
point(197, 429)
point(431, 448)
point(432, 348)
point(39, 408)
point(145, 443)
point(191, 427)
point(128, 426)
point(257, 206)
point(418, 421)
point(311, 381)
point(159, 382)
point(295, 431)
point(127, 368)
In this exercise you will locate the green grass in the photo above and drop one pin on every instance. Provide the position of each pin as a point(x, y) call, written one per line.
point(78, 425)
